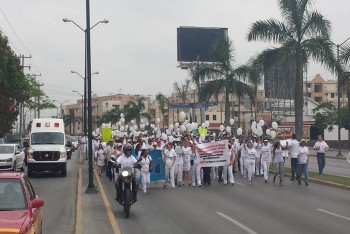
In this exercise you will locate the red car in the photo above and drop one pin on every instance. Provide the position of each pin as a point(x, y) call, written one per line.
point(20, 207)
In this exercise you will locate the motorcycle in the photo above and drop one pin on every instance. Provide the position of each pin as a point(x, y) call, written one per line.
point(126, 198)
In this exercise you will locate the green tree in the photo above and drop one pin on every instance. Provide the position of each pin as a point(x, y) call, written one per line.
point(181, 91)
point(135, 109)
point(303, 34)
point(112, 115)
point(164, 104)
point(222, 77)
point(71, 120)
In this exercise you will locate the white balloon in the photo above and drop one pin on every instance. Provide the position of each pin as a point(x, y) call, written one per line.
point(228, 129)
point(232, 121)
point(275, 125)
point(153, 126)
point(103, 125)
point(177, 125)
point(182, 115)
point(268, 131)
point(171, 139)
point(183, 128)
point(164, 136)
point(195, 125)
point(262, 122)
point(273, 134)
point(222, 128)
point(207, 124)
point(254, 128)
point(122, 120)
point(260, 132)
point(239, 131)
point(259, 128)
point(253, 123)
point(203, 125)
point(186, 121)
point(132, 121)
point(171, 126)
point(155, 129)
point(147, 123)
point(141, 121)
point(202, 137)
point(126, 127)
point(121, 115)
point(158, 120)
point(122, 128)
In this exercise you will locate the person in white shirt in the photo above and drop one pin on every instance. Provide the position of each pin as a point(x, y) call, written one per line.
point(100, 159)
point(242, 152)
point(303, 161)
point(321, 147)
point(146, 162)
point(257, 145)
point(195, 168)
point(179, 162)
point(250, 160)
point(187, 162)
point(266, 158)
point(169, 158)
point(108, 164)
point(126, 160)
point(227, 169)
point(277, 158)
point(294, 149)
point(82, 148)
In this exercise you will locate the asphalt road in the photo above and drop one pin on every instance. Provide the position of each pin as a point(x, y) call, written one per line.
point(243, 208)
point(59, 194)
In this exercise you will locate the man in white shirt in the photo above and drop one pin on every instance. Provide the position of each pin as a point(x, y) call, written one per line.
point(293, 146)
point(321, 147)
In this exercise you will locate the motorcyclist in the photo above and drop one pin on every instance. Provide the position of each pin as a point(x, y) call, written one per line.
point(126, 160)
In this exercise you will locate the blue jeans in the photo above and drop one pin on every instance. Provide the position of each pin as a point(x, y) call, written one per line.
point(294, 167)
point(302, 168)
point(321, 160)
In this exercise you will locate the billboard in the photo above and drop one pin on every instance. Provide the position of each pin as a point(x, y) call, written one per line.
point(196, 43)
point(286, 131)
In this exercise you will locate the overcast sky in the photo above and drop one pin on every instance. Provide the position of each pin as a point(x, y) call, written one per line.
point(135, 53)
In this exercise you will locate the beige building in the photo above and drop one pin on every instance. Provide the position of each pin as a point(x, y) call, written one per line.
point(321, 90)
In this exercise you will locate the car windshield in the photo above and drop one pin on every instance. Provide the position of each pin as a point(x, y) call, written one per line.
point(47, 138)
point(11, 195)
point(5, 149)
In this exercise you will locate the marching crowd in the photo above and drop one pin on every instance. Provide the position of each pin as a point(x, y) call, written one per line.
point(251, 157)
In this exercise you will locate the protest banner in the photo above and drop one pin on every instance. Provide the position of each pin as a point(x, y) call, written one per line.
point(158, 172)
point(213, 154)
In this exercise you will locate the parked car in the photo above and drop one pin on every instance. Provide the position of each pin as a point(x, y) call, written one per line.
point(69, 149)
point(11, 157)
point(20, 207)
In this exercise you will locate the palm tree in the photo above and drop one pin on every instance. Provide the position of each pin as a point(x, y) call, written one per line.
point(112, 115)
point(345, 77)
point(302, 34)
point(134, 110)
point(71, 119)
point(222, 77)
point(163, 102)
point(181, 91)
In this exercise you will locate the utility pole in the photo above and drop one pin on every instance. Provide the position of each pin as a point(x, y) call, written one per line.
point(21, 105)
point(38, 98)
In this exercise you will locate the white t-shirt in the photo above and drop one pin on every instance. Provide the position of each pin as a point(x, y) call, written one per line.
point(100, 155)
point(145, 162)
point(257, 147)
point(303, 154)
point(186, 155)
point(250, 155)
point(266, 153)
point(126, 161)
point(169, 154)
point(321, 146)
point(278, 155)
point(294, 148)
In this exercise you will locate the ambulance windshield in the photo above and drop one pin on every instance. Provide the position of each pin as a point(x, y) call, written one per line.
point(47, 138)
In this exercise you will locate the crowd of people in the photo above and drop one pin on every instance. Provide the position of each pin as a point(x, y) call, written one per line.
point(250, 157)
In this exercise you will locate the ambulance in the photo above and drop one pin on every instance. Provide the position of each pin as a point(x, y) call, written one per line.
point(47, 150)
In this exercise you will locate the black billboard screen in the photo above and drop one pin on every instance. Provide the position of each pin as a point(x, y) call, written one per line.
point(196, 43)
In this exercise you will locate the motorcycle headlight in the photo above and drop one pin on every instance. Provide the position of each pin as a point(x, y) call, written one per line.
point(125, 173)
point(9, 160)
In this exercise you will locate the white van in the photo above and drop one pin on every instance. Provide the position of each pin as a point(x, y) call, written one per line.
point(47, 150)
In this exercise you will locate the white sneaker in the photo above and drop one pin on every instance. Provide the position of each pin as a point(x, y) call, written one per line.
point(144, 192)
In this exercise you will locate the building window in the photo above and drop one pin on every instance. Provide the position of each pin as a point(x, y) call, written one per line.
point(206, 117)
point(318, 99)
point(318, 88)
point(308, 85)
point(214, 117)
point(332, 95)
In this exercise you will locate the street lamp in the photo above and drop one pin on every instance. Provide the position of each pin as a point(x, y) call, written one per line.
point(85, 117)
point(91, 187)
point(338, 99)
point(61, 103)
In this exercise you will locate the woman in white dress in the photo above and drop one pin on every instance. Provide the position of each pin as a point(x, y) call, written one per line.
point(249, 160)
point(169, 157)
point(187, 162)
point(195, 168)
point(100, 159)
point(146, 161)
point(179, 162)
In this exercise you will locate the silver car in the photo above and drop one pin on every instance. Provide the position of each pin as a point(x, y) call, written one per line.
point(11, 157)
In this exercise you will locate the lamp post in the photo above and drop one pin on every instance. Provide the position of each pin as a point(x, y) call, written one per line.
point(85, 112)
point(82, 108)
point(338, 99)
point(91, 187)
point(61, 103)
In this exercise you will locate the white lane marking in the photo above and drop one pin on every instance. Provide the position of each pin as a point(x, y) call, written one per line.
point(334, 214)
point(239, 183)
point(245, 228)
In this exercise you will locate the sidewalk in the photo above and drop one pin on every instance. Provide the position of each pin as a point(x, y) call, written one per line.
point(332, 153)
point(92, 212)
